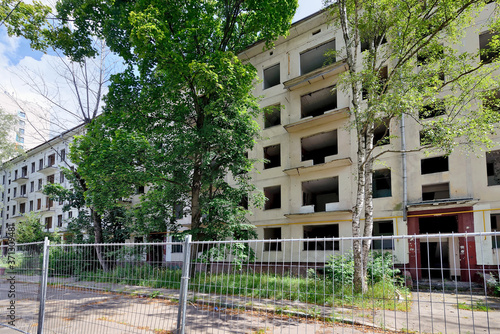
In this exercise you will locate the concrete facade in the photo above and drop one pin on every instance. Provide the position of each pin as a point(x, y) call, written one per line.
point(311, 140)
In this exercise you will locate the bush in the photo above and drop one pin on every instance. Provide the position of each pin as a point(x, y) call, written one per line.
point(64, 262)
point(340, 268)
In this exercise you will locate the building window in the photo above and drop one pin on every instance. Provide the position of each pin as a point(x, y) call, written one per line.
point(48, 223)
point(272, 233)
point(178, 247)
point(366, 44)
point(382, 75)
point(382, 183)
point(39, 204)
point(318, 102)
point(13, 210)
point(22, 208)
point(495, 227)
point(61, 177)
point(316, 58)
point(24, 171)
point(272, 116)
point(322, 231)
point(383, 228)
point(381, 133)
point(31, 206)
point(437, 191)
point(272, 76)
point(63, 155)
point(492, 101)
point(272, 156)
point(22, 123)
point(40, 164)
point(51, 179)
point(49, 203)
point(434, 109)
point(32, 167)
point(51, 160)
point(40, 184)
point(15, 193)
point(319, 193)
point(22, 190)
point(273, 195)
point(487, 52)
point(70, 214)
point(493, 167)
point(318, 147)
point(434, 165)
point(59, 220)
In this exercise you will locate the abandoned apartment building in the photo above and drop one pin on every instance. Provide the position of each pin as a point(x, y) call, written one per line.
point(308, 173)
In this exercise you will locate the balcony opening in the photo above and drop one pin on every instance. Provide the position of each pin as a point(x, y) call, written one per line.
point(318, 102)
point(59, 220)
point(24, 171)
point(22, 208)
point(436, 191)
point(383, 228)
point(434, 109)
point(319, 146)
point(48, 223)
point(272, 76)
point(273, 195)
point(51, 160)
point(382, 183)
point(322, 231)
point(434, 165)
point(272, 233)
point(488, 52)
point(438, 224)
point(22, 190)
point(51, 179)
point(272, 156)
point(315, 58)
point(381, 133)
point(320, 192)
point(272, 116)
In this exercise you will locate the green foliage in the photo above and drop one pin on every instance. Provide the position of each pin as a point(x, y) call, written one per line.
point(67, 261)
point(340, 268)
point(30, 229)
point(8, 122)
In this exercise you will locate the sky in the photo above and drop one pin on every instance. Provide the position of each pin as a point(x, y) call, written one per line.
point(16, 57)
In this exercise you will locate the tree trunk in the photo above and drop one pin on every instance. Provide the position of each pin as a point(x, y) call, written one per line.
point(359, 280)
point(96, 218)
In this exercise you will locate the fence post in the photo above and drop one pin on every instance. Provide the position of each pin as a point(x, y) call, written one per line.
point(43, 287)
point(181, 315)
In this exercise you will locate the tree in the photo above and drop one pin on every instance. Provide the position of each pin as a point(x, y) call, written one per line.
point(428, 81)
point(31, 230)
point(182, 114)
point(8, 124)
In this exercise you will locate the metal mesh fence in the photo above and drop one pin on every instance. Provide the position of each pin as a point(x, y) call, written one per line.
point(446, 283)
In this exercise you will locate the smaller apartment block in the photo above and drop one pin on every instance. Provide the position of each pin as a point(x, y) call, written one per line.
point(24, 178)
point(310, 168)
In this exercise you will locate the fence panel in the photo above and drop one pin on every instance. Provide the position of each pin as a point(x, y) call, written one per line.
point(20, 286)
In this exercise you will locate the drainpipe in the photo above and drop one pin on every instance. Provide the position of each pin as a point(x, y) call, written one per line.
point(403, 159)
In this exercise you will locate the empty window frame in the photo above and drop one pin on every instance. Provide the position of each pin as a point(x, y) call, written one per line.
point(40, 184)
point(492, 101)
point(495, 227)
point(320, 192)
point(272, 116)
point(434, 165)
point(51, 160)
point(318, 102)
point(61, 177)
point(319, 146)
point(59, 220)
point(33, 167)
point(40, 164)
point(31, 206)
point(383, 228)
point(366, 43)
point(271, 76)
point(273, 195)
point(63, 154)
point(316, 58)
point(493, 167)
point(272, 233)
point(24, 171)
point(51, 179)
point(434, 109)
point(49, 203)
point(22, 208)
point(321, 231)
point(381, 133)
point(48, 223)
point(487, 52)
point(22, 190)
point(382, 183)
point(383, 74)
point(39, 204)
point(436, 191)
point(273, 156)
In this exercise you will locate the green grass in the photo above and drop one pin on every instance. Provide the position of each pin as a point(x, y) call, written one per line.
point(381, 295)
point(477, 306)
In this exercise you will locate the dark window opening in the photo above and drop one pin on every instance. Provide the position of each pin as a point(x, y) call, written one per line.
point(31, 206)
point(24, 171)
point(272, 156)
point(272, 116)
point(493, 167)
point(273, 195)
point(51, 178)
point(272, 233)
point(177, 248)
point(48, 222)
point(430, 56)
point(383, 228)
point(492, 101)
point(319, 146)
point(244, 202)
point(382, 183)
point(59, 220)
point(178, 211)
point(437, 191)
point(33, 167)
point(40, 164)
point(51, 160)
point(320, 192)
point(22, 190)
point(22, 208)
point(272, 76)
point(32, 186)
point(488, 52)
point(322, 231)
point(316, 58)
point(381, 133)
point(61, 177)
point(39, 204)
point(40, 184)
point(426, 137)
point(438, 224)
point(63, 155)
point(383, 74)
point(377, 40)
point(434, 165)
point(432, 110)
point(318, 102)
point(495, 227)
point(49, 203)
